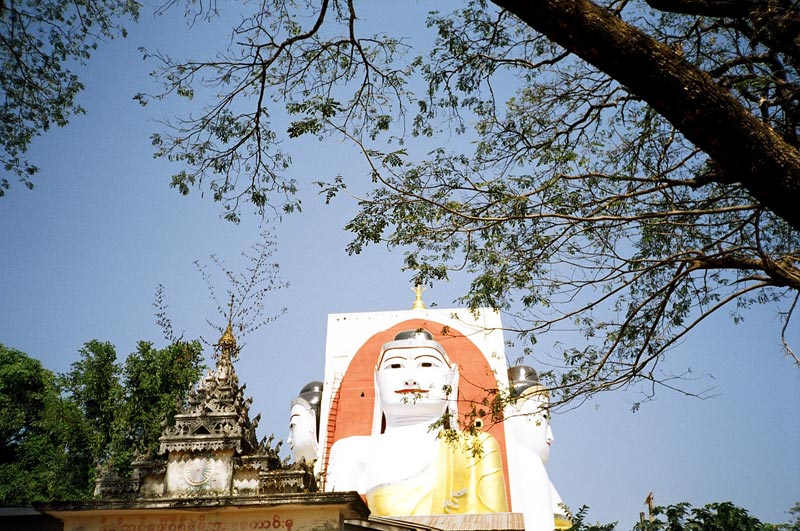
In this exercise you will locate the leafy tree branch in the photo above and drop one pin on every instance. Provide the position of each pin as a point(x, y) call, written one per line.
point(39, 40)
point(627, 168)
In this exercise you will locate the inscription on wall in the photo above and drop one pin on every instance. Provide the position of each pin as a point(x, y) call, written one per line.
point(278, 521)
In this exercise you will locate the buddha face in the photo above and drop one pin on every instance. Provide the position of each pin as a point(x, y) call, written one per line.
point(302, 433)
point(412, 383)
point(533, 418)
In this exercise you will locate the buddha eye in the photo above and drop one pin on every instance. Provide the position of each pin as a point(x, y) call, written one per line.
point(426, 364)
point(395, 366)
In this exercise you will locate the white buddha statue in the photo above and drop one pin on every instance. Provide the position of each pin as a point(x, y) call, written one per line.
point(528, 439)
point(404, 468)
point(303, 438)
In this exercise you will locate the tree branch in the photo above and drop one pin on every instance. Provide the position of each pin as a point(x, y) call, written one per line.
point(690, 99)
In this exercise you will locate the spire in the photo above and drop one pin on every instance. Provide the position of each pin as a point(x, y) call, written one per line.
point(226, 353)
point(419, 304)
point(217, 413)
point(227, 343)
point(227, 339)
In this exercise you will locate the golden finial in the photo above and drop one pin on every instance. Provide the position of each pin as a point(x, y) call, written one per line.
point(418, 302)
point(227, 342)
point(227, 339)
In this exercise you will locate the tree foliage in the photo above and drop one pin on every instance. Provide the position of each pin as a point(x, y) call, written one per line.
point(157, 382)
point(55, 430)
point(41, 42)
point(44, 440)
point(127, 404)
point(720, 516)
point(93, 384)
point(627, 169)
point(712, 517)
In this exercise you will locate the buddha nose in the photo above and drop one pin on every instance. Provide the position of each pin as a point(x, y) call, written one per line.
point(549, 437)
point(410, 382)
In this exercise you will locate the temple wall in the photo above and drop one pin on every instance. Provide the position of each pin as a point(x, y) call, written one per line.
point(205, 519)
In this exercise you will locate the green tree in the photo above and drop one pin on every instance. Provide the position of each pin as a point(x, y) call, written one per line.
point(55, 431)
point(628, 168)
point(723, 516)
point(794, 523)
point(41, 42)
point(156, 383)
point(45, 442)
point(579, 522)
point(93, 383)
point(127, 404)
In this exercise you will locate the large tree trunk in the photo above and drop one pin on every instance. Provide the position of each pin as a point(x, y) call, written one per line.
point(746, 149)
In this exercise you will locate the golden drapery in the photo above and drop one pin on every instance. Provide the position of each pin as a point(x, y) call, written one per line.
point(457, 483)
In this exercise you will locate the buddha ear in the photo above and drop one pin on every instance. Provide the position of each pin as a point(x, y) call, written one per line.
point(314, 421)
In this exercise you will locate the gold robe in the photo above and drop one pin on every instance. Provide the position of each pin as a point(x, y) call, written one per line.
point(457, 483)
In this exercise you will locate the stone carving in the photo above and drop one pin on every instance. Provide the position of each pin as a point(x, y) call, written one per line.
point(110, 485)
point(217, 414)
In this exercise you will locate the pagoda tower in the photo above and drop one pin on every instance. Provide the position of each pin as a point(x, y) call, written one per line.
point(210, 449)
point(211, 445)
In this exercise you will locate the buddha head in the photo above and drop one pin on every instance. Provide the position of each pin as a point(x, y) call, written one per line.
point(416, 383)
point(304, 422)
point(529, 410)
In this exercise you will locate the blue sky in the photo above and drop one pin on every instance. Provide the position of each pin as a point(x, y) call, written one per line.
point(82, 254)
